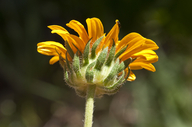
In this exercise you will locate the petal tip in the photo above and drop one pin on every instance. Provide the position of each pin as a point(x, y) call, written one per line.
point(118, 23)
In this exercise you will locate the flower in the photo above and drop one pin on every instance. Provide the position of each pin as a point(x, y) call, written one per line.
point(96, 58)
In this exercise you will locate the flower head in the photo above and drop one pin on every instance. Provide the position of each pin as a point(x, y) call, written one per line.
point(96, 58)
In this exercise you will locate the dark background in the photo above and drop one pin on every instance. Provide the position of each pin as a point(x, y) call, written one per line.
point(33, 93)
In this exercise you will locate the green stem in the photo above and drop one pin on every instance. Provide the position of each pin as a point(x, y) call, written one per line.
point(89, 106)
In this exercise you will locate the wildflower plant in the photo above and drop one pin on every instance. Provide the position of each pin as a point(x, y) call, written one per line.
point(94, 63)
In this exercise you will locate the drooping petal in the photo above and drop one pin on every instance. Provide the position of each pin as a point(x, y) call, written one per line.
point(54, 59)
point(52, 43)
point(146, 55)
point(127, 40)
point(131, 77)
point(141, 65)
point(149, 44)
point(71, 39)
point(136, 43)
point(57, 27)
point(63, 33)
point(133, 47)
point(48, 48)
point(46, 51)
point(77, 42)
point(79, 28)
point(52, 48)
point(95, 28)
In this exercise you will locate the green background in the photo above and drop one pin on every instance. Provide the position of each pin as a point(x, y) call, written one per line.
point(33, 93)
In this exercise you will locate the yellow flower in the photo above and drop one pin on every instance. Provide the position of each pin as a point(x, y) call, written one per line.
point(133, 48)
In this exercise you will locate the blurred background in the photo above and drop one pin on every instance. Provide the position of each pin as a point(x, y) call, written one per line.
point(33, 93)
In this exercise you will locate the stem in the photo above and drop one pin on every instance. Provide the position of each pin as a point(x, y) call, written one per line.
point(89, 106)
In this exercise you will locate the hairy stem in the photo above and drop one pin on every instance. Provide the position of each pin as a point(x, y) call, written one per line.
point(89, 106)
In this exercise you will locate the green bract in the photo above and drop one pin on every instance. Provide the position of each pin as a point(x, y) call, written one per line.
point(103, 69)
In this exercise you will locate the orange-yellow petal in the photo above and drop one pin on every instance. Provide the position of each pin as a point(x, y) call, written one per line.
point(141, 65)
point(46, 51)
point(56, 27)
point(146, 55)
point(111, 36)
point(52, 43)
point(95, 28)
point(133, 47)
point(67, 37)
point(131, 77)
point(149, 44)
point(136, 43)
point(49, 48)
point(79, 28)
point(54, 59)
point(63, 33)
point(77, 42)
point(129, 38)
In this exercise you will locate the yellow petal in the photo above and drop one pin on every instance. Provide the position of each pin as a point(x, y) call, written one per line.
point(51, 48)
point(77, 42)
point(136, 48)
point(130, 38)
point(59, 32)
point(53, 59)
point(140, 65)
point(95, 28)
point(57, 27)
point(133, 47)
point(79, 28)
point(148, 59)
point(46, 52)
point(136, 43)
point(51, 45)
point(72, 40)
point(131, 77)
point(150, 44)
point(146, 55)
point(111, 36)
